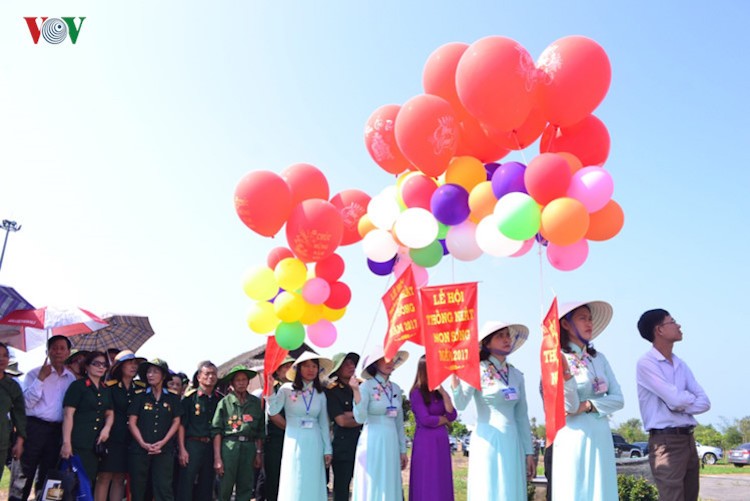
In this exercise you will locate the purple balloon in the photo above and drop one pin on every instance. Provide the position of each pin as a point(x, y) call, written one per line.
point(508, 178)
point(450, 204)
point(491, 168)
point(381, 269)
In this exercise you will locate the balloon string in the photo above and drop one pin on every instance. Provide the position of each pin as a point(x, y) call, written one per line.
point(375, 316)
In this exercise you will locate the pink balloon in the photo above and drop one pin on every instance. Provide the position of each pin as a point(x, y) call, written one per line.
point(527, 245)
point(322, 333)
point(593, 187)
point(316, 291)
point(568, 257)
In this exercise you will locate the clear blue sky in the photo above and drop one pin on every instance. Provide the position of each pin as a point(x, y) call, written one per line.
point(120, 155)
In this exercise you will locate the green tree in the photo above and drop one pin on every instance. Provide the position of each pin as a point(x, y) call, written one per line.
point(632, 431)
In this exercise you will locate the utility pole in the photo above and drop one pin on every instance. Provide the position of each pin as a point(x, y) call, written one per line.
point(8, 226)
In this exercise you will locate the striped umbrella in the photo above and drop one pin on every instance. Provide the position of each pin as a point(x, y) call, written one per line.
point(124, 332)
point(10, 300)
point(28, 329)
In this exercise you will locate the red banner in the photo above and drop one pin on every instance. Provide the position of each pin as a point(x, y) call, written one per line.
point(275, 354)
point(449, 329)
point(402, 306)
point(552, 383)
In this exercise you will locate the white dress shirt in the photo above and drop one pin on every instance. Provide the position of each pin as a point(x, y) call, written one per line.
point(44, 398)
point(668, 393)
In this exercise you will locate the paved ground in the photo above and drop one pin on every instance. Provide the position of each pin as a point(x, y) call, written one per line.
point(725, 487)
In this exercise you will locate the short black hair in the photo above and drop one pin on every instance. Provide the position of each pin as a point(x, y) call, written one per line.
point(57, 337)
point(648, 322)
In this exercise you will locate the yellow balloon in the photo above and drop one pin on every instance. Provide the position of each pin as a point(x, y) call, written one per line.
point(259, 283)
point(289, 306)
point(313, 313)
point(482, 201)
point(333, 315)
point(261, 318)
point(290, 273)
point(465, 171)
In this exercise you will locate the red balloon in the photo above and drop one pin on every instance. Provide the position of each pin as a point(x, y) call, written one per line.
point(277, 254)
point(306, 182)
point(521, 137)
point(427, 133)
point(314, 230)
point(574, 78)
point(263, 202)
point(380, 141)
point(330, 268)
point(417, 190)
point(439, 74)
point(588, 140)
point(474, 142)
point(547, 177)
point(339, 297)
point(352, 205)
point(495, 80)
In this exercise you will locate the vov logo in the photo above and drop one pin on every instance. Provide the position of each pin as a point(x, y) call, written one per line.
point(54, 30)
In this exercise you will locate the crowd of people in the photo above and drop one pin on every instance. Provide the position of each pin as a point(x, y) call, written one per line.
point(142, 432)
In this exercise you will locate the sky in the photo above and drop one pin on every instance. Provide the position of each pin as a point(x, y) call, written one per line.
point(120, 155)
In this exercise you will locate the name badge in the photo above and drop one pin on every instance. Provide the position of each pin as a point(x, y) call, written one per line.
point(307, 423)
point(247, 418)
point(391, 411)
point(600, 386)
point(510, 394)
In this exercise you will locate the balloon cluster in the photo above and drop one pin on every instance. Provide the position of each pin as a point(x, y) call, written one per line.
point(292, 297)
point(481, 101)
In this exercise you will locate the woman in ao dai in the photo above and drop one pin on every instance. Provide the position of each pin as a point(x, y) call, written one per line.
point(307, 441)
point(583, 467)
point(501, 458)
point(381, 450)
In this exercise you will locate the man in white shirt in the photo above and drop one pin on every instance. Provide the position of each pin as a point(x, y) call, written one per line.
point(669, 396)
point(44, 389)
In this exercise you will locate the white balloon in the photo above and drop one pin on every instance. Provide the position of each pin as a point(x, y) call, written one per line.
point(494, 243)
point(383, 210)
point(462, 241)
point(416, 228)
point(379, 245)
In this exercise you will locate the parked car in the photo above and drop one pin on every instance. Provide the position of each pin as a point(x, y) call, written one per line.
point(465, 443)
point(708, 454)
point(624, 449)
point(643, 446)
point(740, 455)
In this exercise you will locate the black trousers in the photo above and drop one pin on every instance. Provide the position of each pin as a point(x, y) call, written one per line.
point(41, 450)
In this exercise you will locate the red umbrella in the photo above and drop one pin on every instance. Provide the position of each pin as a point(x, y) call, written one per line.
point(27, 329)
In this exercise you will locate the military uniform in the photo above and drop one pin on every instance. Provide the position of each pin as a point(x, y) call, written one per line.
point(91, 402)
point(11, 403)
point(340, 400)
point(272, 452)
point(240, 425)
point(198, 410)
point(154, 421)
point(116, 461)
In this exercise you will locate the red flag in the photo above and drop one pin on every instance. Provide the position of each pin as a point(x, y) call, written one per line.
point(402, 306)
point(552, 383)
point(450, 334)
point(275, 354)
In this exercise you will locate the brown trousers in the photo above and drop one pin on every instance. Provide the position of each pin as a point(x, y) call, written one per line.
point(675, 466)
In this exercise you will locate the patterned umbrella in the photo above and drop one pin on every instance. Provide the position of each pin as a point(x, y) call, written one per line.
point(124, 332)
point(10, 300)
point(27, 329)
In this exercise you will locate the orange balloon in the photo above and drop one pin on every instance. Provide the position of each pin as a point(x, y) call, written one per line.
point(365, 226)
point(573, 162)
point(495, 80)
point(481, 201)
point(575, 76)
point(380, 141)
point(465, 171)
point(588, 140)
point(606, 223)
point(564, 221)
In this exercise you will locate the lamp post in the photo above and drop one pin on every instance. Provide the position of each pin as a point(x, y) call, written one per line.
point(8, 226)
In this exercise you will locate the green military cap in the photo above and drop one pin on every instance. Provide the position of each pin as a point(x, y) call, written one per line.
point(227, 379)
point(158, 363)
point(339, 358)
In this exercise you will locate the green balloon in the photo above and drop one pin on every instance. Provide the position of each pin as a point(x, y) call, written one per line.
point(519, 216)
point(427, 256)
point(291, 335)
